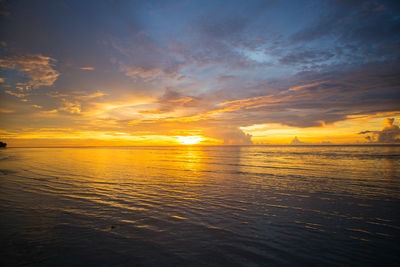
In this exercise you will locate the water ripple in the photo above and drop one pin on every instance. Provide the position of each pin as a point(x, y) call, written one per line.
point(200, 206)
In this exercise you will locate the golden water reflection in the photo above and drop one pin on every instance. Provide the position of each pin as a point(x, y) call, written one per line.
point(188, 198)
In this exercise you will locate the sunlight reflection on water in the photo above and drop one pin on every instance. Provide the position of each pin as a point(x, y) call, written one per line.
point(200, 205)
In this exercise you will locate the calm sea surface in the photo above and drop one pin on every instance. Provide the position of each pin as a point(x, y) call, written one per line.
point(225, 206)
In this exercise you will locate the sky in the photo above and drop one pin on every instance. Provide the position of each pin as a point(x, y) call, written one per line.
point(87, 73)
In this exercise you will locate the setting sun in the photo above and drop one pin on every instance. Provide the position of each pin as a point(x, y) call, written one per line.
point(189, 140)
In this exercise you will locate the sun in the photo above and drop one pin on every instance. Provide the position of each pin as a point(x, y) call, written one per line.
point(189, 140)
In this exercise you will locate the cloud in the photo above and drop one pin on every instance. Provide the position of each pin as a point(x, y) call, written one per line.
point(296, 141)
point(225, 67)
point(72, 102)
point(147, 74)
point(38, 68)
point(318, 98)
point(70, 107)
point(172, 100)
point(144, 60)
point(87, 68)
point(357, 28)
point(311, 99)
point(19, 95)
point(306, 57)
point(389, 134)
point(230, 135)
point(300, 87)
point(78, 95)
point(89, 96)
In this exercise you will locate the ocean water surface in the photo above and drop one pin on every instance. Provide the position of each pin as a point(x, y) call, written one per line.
point(203, 206)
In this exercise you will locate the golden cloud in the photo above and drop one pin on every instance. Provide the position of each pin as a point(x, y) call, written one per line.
point(87, 68)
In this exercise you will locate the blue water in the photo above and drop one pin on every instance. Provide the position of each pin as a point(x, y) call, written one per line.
point(202, 206)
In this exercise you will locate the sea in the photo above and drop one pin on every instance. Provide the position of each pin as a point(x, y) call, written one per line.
point(200, 206)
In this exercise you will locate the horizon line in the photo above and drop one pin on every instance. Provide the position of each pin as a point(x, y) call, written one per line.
point(272, 145)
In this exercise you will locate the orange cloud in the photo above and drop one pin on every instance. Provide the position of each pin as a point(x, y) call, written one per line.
point(19, 95)
point(70, 107)
point(87, 68)
point(90, 96)
point(300, 87)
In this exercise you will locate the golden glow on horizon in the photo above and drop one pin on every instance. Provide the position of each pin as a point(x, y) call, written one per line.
point(189, 140)
point(343, 132)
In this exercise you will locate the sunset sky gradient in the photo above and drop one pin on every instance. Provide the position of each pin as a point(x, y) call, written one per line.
point(86, 73)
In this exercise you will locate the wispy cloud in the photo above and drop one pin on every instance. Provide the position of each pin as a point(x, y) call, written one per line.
point(72, 102)
point(38, 68)
point(147, 75)
point(89, 96)
point(86, 68)
point(19, 95)
point(172, 100)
